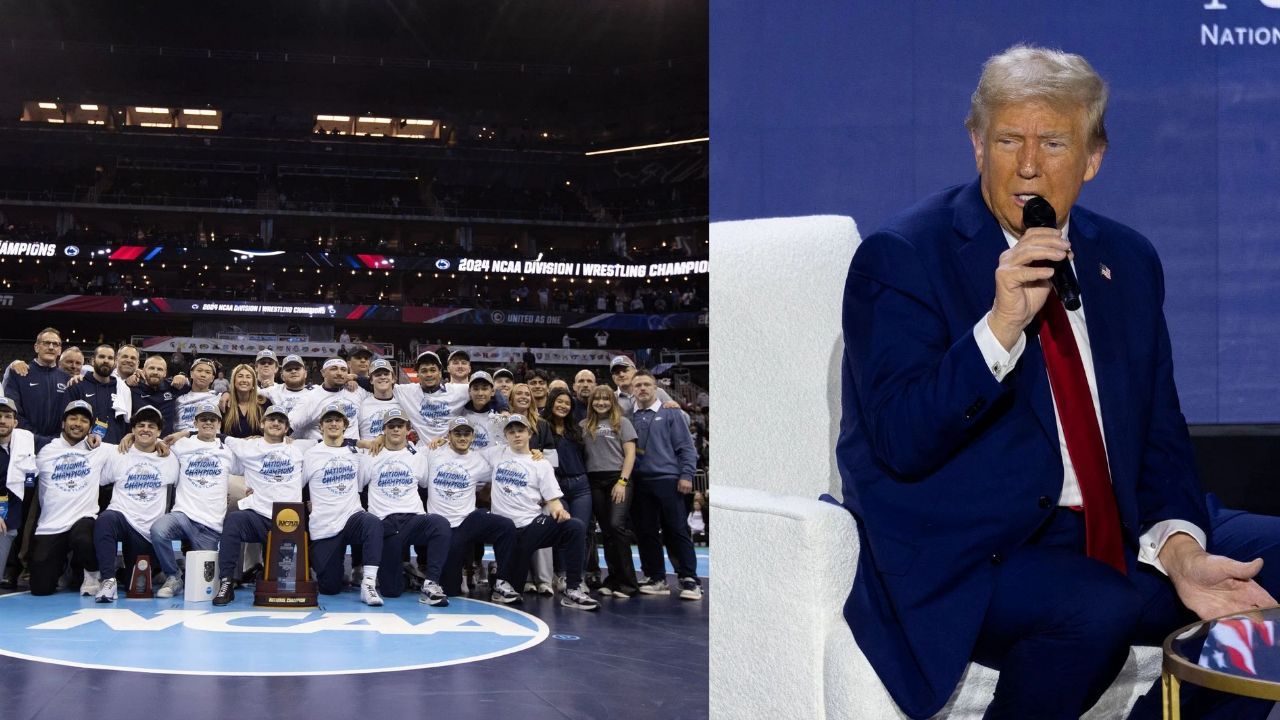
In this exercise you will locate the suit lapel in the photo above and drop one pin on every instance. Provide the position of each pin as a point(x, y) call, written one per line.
point(1099, 299)
point(982, 241)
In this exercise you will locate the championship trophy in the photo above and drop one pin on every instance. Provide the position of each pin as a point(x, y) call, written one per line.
point(285, 582)
point(140, 579)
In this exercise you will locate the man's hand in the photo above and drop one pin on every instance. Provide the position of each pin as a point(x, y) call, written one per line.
point(536, 454)
point(684, 487)
point(20, 367)
point(132, 380)
point(672, 404)
point(1212, 585)
point(125, 443)
point(224, 402)
point(436, 442)
point(376, 445)
point(1022, 288)
point(92, 441)
point(162, 449)
point(619, 493)
point(3, 528)
point(74, 379)
point(559, 514)
point(179, 381)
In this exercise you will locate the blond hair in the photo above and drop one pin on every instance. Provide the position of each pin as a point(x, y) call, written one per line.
point(254, 414)
point(615, 411)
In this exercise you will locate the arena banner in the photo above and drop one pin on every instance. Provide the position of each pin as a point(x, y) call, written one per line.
point(581, 357)
point(597, 321)
point(63, 303)
point(560, 266)
point(248, 346)
point(185, 306)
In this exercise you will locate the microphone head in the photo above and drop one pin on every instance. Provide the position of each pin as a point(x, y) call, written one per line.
point(1038, 213)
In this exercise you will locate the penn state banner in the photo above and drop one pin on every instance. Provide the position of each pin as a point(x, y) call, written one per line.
point(856, 108)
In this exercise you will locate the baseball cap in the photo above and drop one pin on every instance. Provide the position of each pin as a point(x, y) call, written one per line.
point(212, 365)
point(276, 410)
point(381, 364)
point(361, 350)
point(460, 422)
point(621, 360)
point(331, 409)
point(516, 419)
point(503, 372)
point(208, 408)
point(292, 360)
point(480, 376)
point(394, 413)
point(8, 404)
point(146, 412)
point(79, 406)
point(334, 362)
point(460, 354)
point(267, 354)
point(426, 356)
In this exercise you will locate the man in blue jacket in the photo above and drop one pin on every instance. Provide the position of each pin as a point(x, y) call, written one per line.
point(1020, 470)
point(40, 394)
point(665, 463)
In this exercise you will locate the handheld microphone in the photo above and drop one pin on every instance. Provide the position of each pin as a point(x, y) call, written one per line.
point(1039, 213)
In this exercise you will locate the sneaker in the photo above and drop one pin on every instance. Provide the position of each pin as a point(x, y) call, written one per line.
point(90, 585)
point(106, 591)
point(606, 590)
point(491, 572)
point(545, 589)
point(531, 587)
point(559, 583)
point(226, 593)
point(433, 594)
point(593, 581)
point(690, 589)
point(504, 593)
point(622, 594)
point(578, 600)
point(172, 585)
point(654, 587)
point(369, 593)
point(414, 571)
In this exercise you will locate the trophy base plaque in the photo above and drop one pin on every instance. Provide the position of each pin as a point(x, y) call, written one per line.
point(284, 584)
point(140, 580)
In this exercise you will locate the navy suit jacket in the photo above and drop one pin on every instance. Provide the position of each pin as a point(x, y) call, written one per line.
point(947, 469)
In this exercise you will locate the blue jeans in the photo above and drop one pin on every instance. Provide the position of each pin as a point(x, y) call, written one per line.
point(577, 501)
point(177, 526)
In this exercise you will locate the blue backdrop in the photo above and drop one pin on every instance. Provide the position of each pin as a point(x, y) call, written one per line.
point(856, 108)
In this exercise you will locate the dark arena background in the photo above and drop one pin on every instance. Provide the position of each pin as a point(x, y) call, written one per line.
point(527, 181)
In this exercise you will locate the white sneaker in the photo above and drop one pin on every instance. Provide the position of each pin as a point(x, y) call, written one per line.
point(90, 585)
point(172, 584)
point(545, 589)
point(559, 583)
point(369, 593)
point(578, 600)
point(654, 587)
point(531, 587)
point(504, 593)
point(690, 589)
point(106, 592)
point(433, 594)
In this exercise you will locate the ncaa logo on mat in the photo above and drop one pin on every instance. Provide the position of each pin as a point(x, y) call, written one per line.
point(344, 637)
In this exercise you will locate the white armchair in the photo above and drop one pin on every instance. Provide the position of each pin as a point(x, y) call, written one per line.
point(785, 560)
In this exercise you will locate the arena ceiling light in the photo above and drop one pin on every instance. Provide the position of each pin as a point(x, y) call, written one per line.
point(378, 120)
point(152, 110)
point(649, 146)
point(48, 106)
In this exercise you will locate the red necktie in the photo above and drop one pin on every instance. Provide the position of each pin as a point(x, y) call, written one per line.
point(1071, 395)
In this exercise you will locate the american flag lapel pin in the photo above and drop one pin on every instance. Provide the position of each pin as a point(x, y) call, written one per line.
point(1106, 271)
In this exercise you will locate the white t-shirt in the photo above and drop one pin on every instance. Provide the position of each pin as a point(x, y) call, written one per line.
point(487, 426)
point(186, 408)
point(372, 415)
point(272, 470)
point(304, 418)
point(520, 485)
point(68, 483)
point(430, 413)
point(203, 469)
point(393, 478)
point(282, 396)
point(141, 481)
point(333, 474)
point(452, 480)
